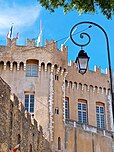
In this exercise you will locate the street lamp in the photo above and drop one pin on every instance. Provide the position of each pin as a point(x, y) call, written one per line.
point(82, 64)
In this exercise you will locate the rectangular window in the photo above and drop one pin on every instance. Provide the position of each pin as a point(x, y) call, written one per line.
point(100, 116)
point(29, 103)
point(82, 112)
point(32, 70)
point(66, 108)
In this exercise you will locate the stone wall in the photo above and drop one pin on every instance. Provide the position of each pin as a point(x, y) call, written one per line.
point(17, 126)
point(79, 140)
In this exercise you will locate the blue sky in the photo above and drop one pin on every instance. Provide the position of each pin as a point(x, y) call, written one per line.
point(26, 15)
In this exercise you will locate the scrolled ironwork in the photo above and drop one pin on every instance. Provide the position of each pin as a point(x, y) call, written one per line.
point(108, 53)
point(82, 35)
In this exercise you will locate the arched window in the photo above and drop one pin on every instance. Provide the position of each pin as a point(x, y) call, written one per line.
point(59, 143)
point(32, 68)
point(100, 115)
point(82, 111)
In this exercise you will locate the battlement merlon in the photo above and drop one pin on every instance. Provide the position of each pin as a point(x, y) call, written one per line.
point(30, 43)
point(52, 45)
point(12, 43)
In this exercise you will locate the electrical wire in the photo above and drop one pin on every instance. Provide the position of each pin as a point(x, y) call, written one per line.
point(66, 37)
point(73, 34)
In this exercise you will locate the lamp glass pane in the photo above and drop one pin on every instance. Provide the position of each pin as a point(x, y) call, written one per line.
point(83, 63)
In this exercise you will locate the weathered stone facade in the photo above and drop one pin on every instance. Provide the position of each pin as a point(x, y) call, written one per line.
point(17, 126)
point(56, 82)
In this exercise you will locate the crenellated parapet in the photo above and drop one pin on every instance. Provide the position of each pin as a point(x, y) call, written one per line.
point(48, 53)
point(94, 81)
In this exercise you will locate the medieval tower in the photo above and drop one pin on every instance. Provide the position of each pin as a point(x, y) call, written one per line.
point(74, 110)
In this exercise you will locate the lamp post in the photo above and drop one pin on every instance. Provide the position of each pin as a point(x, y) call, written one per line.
point(85, 60)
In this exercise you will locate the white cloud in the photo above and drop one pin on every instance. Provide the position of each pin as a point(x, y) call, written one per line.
point(20, 16)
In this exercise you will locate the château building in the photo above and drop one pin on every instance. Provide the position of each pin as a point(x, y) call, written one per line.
point(74, 110)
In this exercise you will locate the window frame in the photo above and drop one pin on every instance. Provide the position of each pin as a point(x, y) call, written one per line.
point(29, 102)
point(100, 115)
point(31, 70)
point(66, 108)
point(83, 119)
